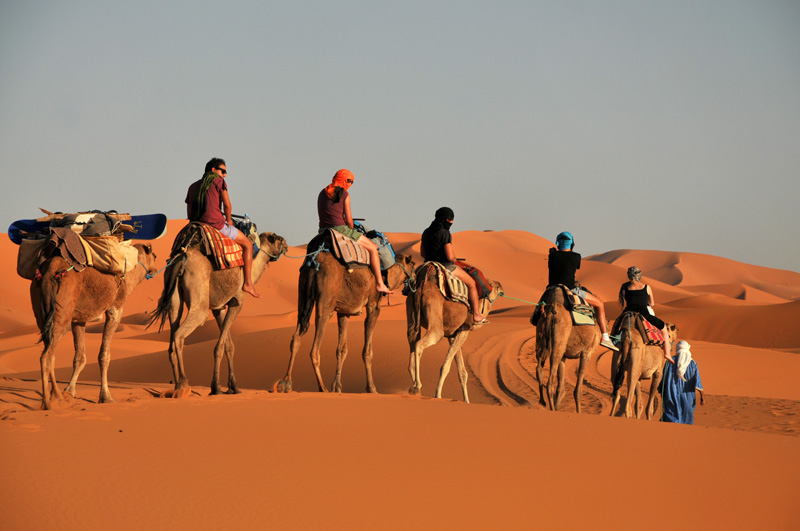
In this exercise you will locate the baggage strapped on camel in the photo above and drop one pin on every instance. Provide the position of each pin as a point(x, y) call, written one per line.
point(86, 239)
point(582, 313)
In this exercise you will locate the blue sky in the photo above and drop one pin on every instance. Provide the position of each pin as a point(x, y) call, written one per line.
point(634, 125)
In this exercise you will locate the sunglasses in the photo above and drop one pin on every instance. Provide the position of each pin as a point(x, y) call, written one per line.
point(224, 171)
point(349, 181)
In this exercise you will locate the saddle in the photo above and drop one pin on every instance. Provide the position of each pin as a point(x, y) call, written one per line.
point(451, 288)
point(349, 252)
point(582, 313)
point(649, 333)
point(223, 252)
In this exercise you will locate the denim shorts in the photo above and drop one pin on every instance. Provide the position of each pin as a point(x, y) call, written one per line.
point(230, 231)
point(579, 292)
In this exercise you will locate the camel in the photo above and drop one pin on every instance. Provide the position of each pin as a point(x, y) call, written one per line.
point(64, 298)
point(558, 340)
point(427, 308)
point(640, 362)
point(193, 281)
point(335, 288)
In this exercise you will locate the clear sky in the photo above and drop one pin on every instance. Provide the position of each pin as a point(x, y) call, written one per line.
point(634, 125)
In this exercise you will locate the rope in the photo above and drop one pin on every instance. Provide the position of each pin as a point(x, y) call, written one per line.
point(148, 276)
point(521, 300)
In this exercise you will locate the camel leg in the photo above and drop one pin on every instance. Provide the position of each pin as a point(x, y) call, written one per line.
point(79, 361)
point(562, 372)
point(541, 359)
point(431, 337)
point(285, 385)
point(369, 328)
point(584, 362)
point(113, 317)
point(653, 391)
point(463, 375)
point(224, 318)
point(50, 391)
point(341, 352)
point(194, 319)
point(175, 311)
point(455, 347)
point(618, 362)
point(634, 372)
point(638, 400)
point(322, 319)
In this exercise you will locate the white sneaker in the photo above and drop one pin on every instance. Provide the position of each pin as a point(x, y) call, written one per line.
point(608, 344)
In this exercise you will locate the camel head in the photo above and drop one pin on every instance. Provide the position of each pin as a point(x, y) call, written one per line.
point(273, 245)
point(402, 271)
point(147, 257)
point(497, 290)
point(673, 333)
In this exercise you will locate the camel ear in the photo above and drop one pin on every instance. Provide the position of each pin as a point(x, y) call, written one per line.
point(271, 238)
point(148, 248)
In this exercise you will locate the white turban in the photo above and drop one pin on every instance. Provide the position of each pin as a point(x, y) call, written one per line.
point(684, 358)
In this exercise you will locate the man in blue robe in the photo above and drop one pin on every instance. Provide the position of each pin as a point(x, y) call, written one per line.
point(678, 385)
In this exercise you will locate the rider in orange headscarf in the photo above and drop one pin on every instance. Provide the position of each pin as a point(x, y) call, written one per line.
point(333, 207)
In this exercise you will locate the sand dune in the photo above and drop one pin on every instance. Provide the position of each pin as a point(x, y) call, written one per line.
point(391, 461)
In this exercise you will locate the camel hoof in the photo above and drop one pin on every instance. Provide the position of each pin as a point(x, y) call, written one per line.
point(233, 391)
point(183, 392)
point(414, 390)
point(102, 400)
point(284, 386)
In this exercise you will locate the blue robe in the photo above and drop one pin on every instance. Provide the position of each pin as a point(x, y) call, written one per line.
point(678, 397)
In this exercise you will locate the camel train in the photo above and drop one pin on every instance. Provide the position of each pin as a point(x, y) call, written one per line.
point(192, 283)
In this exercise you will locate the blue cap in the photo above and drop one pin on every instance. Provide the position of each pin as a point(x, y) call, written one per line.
point(564, 241)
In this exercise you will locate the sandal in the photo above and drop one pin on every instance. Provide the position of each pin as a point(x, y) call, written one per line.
point(481, 322)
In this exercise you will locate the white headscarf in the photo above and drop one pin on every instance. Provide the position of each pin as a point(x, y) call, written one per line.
point(684, 358)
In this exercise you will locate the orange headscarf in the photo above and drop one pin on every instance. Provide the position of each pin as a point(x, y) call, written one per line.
point(340, 180)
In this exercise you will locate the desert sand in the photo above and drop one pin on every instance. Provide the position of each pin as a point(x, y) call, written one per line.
point(307, 460)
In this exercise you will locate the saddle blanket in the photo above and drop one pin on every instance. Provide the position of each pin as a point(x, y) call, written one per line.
point(221, 250)
point(649, 333)
point(451, 288)
point(582, 313)
point(347, 250)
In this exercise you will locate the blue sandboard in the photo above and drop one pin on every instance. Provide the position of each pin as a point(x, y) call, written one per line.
point(145, 227)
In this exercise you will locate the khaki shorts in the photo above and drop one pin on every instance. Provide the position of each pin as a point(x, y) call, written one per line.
point(353, 234)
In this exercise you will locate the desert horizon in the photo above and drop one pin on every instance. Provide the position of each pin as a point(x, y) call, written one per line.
point(353, 460)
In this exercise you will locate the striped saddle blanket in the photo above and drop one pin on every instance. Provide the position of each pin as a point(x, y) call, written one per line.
point(223, 252)
point(347, 250)
point(451, 288)
point(650, 334)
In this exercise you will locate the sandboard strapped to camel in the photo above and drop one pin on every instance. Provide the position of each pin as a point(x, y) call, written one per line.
point(650, 334)
point(582, 313)
point(92, 223)
point(96, 239)
point(347, 250)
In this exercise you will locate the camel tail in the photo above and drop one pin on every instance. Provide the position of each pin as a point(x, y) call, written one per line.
point(414, 313)
point(624, 352)
point(49, 287)
point(171, 276)
point(48, 309)
point(306, 297)
point(547, 321)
